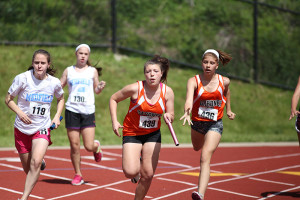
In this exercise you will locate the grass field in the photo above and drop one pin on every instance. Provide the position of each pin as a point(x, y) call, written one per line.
point(261, 112)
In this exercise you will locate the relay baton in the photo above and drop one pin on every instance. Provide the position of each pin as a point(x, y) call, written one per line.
point(172, 133)
point(53, 125)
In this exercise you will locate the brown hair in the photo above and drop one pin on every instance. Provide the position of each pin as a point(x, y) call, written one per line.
point(224, 57)
point(51, 69)
point(99, 69)
point(163, 63)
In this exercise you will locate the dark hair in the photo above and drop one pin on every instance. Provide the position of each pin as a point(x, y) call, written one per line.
point(223, 57)
point(51, 69)
point(99, 69)
point(163, 63)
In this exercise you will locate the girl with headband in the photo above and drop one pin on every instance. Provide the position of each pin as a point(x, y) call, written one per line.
point(83, 82)
point(207, 94)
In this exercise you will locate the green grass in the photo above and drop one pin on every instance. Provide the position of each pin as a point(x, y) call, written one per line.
point(261, 112)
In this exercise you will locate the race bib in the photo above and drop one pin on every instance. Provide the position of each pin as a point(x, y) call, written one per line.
point(44, 131)
point(208, 113)
point(148, 122)
point(78, 98)
point(39, 109)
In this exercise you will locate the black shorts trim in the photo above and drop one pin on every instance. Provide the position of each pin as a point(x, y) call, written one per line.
point(79, 121)
point(142, 139)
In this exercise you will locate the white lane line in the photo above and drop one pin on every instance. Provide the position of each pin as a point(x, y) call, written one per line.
point(112, 154)
point(91, 189)
point(160, 161)
point(93, 158)
point(236, 193)
point(268, 181)
point(254, 174)
point(17, 192)
point(63, 178)
point(216, 164)
point(45, 174)
point(11, 166)
point(256, 159)
point(122, 191)
point(172, 194)
point(174, 163)
point(85, 163)
point(11, 159)
point(227, 163)
point(278, 193)
point(195, 186)
point(176, 181)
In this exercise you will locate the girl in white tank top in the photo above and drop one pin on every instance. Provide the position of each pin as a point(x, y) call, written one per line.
point(83, 82)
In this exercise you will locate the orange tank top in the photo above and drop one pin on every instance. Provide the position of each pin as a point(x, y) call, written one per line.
point(208, 106)
point(143, 118)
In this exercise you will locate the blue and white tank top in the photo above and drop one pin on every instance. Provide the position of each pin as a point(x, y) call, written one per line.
point(81, 90)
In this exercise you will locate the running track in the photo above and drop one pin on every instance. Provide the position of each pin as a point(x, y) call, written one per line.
point(237, 172)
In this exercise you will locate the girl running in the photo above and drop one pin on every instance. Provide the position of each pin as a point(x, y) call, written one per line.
point(83, 81)
point(149, 99)
point(35, 90)
point(294, 111)
point(207, 94)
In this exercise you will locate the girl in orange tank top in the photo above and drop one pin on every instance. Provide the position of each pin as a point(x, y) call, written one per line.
point(150, 100)
point(208, 106)
point(207, 94)
point(142, 117)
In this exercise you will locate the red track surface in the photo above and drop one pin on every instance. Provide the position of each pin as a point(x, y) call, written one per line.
point(259, 172)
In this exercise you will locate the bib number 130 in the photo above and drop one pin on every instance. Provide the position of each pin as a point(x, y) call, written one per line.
point(78, 98)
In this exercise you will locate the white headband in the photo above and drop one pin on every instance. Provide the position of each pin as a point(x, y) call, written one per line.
point(83, 45)
point(211, 51)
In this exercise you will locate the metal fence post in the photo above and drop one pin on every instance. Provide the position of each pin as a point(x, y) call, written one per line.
point(255, 46)
point(113, 25)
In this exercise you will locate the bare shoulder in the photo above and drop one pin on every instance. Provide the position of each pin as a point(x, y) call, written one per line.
point(131, 88)
point(226, 81)
point(169, 91)
point(65, 73)
point(192, 79)
point(192, 83)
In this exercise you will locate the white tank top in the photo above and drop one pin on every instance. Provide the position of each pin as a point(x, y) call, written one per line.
point(81, 90)
point(34, 99)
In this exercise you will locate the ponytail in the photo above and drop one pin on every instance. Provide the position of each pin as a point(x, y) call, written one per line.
point(224, 57)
